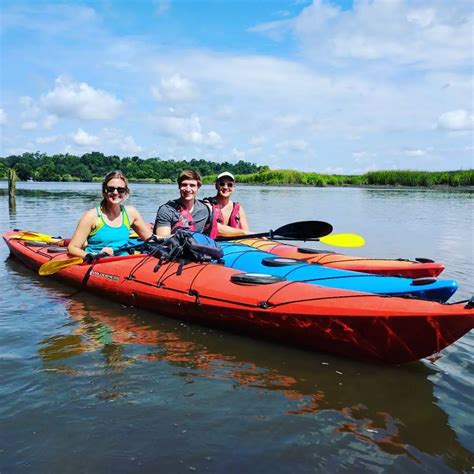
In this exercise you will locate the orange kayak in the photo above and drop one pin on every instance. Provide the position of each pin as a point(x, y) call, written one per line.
point(401, 267)
point(353, 324)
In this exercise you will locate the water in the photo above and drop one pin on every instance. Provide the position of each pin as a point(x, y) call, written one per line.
point(91, 386)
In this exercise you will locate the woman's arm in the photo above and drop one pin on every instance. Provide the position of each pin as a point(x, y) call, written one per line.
point(83, 229)
point(138, 224)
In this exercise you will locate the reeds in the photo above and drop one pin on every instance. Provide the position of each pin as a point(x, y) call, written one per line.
point(380, 178)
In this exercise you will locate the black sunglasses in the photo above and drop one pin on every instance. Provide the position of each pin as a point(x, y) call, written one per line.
point(120, 189)
point(222, 184)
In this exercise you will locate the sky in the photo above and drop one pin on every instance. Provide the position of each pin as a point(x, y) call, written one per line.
point(331, 86)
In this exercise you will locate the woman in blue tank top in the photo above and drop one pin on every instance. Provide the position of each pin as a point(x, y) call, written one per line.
point(106, 228)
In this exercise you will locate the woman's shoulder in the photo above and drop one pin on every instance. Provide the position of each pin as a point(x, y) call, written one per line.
point(91, 213)
point(132, 211)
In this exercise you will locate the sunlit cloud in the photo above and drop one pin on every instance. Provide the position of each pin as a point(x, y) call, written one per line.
point(188, 130)
point(175, 88)
point(456, 120)
point(79, 100)
point(84, 139)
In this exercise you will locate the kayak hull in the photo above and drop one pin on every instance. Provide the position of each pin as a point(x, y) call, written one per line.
point(401, 267)
point(352, 324)
point(249, 259)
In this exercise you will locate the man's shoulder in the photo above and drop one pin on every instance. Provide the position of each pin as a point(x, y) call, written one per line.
point(172, 205)
point(200, 205)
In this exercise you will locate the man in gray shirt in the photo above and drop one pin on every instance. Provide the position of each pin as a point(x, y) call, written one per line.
point(186, 212)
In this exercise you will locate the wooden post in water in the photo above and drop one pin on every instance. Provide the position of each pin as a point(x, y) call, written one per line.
point(12, 177)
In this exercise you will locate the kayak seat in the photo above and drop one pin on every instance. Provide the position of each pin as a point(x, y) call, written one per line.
point(280, 262)
point(309, 250)
point(255, 279)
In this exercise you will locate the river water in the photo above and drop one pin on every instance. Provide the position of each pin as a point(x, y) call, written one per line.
point(91, 386)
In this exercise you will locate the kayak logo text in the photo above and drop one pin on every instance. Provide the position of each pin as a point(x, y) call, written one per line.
point(104, 275)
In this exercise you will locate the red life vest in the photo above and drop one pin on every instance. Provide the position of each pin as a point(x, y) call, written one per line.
point(185, 220)
point(234, 219)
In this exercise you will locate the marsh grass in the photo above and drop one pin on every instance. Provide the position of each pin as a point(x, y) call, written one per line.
point(376, 178)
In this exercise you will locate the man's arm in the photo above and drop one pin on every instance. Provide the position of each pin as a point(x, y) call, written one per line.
point(163, 221)
point(163, 231)
point(228, 231)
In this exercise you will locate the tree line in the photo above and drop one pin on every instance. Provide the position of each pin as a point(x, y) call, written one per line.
point(94, 166)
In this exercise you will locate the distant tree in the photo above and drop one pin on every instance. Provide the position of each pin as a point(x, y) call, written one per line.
point(24, 171)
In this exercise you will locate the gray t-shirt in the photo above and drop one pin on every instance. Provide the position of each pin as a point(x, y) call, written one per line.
point(169, 214)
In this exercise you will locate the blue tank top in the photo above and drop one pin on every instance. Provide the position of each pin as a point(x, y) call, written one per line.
point(105, 235)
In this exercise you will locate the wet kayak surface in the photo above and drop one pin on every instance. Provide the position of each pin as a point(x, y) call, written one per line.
point(88, 383)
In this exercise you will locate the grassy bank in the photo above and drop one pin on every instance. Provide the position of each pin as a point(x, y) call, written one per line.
point(380, 178)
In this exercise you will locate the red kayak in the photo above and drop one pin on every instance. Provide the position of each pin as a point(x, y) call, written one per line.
point(352, 324)
point(422, 267)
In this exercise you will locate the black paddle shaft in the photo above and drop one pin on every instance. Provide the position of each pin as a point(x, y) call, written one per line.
point(303, 230)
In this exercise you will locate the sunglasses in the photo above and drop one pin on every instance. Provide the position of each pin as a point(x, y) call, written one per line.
point(223, 184)
point(119, 189)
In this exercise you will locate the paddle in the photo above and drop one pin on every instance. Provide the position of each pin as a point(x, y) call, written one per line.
point(54, 266)
point(336, 240)
point(343, 240)
point(303, 230)
point(36, 237)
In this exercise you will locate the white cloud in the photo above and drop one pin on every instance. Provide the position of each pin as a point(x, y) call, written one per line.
point(3, 117)
point(49, 139)
point(52, 20)
point(415, 152)
point(188, 130)
point(237, 154)
point(292, 146)
point(29, 125)
point(79, 100)
point(423, 34)
point(84, 139)
point(49, 121)
point(289, 120)
point(175, 88)
point(456, 120)
point(31, 111)
point(33, 116)
point(129, 146)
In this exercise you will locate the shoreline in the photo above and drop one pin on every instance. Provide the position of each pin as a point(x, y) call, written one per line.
point(381, 187)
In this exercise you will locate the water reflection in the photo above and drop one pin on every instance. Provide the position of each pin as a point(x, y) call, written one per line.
point(392, 409)
point(94, 349)
point(12, 206)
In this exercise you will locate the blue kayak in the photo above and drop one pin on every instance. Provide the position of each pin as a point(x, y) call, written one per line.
point(252, 260)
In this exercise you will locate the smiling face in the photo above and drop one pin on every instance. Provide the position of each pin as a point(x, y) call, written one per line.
point(188, 189)
point(115, 191)
point(225, 187)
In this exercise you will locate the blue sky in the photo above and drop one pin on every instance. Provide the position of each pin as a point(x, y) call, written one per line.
point(334, 86)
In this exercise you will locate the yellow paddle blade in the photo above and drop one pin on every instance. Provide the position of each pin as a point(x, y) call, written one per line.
point(343, 240)
point(53, 266)
point(35, 236)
